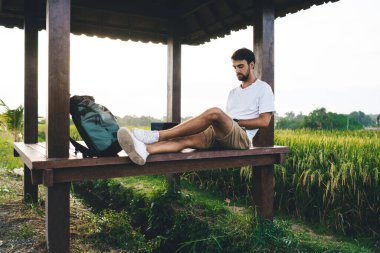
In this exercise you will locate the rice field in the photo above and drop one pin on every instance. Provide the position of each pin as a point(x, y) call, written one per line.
point(331, 177)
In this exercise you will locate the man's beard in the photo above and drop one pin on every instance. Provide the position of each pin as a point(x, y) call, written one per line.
point(243, 78)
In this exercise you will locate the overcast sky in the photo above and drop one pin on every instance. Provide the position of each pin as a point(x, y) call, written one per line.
point(327, 56)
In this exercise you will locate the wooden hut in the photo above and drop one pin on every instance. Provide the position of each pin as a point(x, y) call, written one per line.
point(171, 22)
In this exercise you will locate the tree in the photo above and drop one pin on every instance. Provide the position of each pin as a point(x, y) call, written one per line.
point(290, 121)
point(362, 119)
point(318, 119)
point(13, 120)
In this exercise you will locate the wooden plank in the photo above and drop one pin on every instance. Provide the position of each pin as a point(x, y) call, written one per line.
point(28, 154)
point(31, 73)
point(57, 123)
point(34, 156)
point(112, 171)
point(263, 188)
point(57, 218)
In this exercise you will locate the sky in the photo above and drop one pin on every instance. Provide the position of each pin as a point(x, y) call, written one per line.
point(327, 56)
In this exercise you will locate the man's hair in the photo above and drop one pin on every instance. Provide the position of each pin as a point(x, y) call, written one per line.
point(244, 54)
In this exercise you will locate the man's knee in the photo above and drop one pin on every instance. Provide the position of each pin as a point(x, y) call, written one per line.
point(214, 113)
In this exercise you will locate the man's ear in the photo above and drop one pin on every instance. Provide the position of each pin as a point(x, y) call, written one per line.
point(252, 65)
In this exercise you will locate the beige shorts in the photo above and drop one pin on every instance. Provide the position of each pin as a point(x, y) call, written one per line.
point(237, 138)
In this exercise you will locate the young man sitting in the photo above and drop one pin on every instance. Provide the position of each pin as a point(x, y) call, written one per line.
point(249, 106)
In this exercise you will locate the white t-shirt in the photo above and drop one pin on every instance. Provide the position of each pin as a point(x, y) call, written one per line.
point(248, 103)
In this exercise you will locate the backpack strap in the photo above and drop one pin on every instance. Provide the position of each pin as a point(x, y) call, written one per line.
point(79, 147)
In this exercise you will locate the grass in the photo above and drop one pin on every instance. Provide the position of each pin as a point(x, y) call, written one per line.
point(197, 221)
point(7, 160)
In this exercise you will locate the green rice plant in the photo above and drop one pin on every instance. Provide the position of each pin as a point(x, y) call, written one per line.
point(331, 177)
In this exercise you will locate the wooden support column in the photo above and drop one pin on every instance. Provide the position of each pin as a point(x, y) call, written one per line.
point(57, 217)
point(264, 67)
point(174, 80)
point(58, 28)
point(174, 91)
point(57, 205)
point(30, 190)
point(30, 91)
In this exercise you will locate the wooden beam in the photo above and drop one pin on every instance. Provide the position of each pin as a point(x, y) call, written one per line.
point(31, 73)
point(264, 51)
point(196, 7)
point(58, 28)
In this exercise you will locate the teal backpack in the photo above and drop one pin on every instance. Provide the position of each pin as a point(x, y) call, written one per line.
point(96, 125)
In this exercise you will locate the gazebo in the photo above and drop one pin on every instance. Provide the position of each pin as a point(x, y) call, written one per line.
point(171, 22)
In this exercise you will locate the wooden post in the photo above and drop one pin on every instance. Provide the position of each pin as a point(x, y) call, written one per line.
point(264, 52)
point(30, 91)
point(30, 190)
point(57, 120)
point(57, 138)
point(57, 217)
point(174, 92)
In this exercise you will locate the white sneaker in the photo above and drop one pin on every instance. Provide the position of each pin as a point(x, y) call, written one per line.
point(135, 149)
point(145, 136)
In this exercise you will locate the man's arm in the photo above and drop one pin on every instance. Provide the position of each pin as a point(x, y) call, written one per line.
point(262, 121)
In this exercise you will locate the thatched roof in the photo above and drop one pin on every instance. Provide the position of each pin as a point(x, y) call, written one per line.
point(195, 22)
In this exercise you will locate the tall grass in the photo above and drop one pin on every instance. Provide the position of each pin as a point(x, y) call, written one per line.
point(331, 177)
point(7, 159)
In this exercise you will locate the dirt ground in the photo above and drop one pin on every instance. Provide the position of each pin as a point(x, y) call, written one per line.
point(22, 226)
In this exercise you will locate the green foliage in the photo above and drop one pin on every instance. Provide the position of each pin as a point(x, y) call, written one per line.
point(331, 178)
point(25, 231)
point(290, 121)
point(114, 228)
point(321, 119)
point(41, 132)
point(13, 120)
point(230, 183)
point(190, 221)
point(362, 119)
point(7, 159)
point(74, 133)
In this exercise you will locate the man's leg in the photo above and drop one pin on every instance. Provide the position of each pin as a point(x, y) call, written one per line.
point(215, 117)
point(196, 141)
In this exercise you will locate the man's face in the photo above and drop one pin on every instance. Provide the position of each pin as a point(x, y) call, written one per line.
point(242, 69)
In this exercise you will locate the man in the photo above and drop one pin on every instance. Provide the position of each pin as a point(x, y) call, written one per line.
point(249, 107)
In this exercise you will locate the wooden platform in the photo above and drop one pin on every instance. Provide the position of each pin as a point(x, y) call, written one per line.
point(75, 168)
